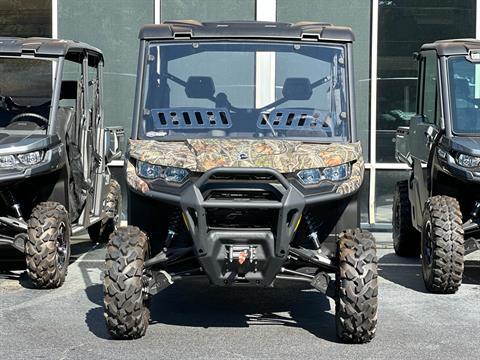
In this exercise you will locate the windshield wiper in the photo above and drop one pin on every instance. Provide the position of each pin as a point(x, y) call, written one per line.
point(265, 116)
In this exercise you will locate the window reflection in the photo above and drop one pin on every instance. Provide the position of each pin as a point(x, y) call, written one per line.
point(404, 25)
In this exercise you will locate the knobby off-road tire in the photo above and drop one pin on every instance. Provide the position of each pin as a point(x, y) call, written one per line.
point(357, 287)
point(126, 308)
point(442, 245)
point(406, 239)
point(101, 231)
point(48, 246)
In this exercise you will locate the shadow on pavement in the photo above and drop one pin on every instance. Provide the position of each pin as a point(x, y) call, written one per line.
point(196, 304)
point(80, 247)
point(15, 261)
point(407, 272)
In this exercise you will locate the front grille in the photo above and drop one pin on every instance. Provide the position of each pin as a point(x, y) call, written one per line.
point(244, 177)
point(242, 218)
point(240, 195)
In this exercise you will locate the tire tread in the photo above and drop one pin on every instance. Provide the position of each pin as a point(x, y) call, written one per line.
point(357, 287)
point(126, 312)
point(41, 245)
point(448, 244)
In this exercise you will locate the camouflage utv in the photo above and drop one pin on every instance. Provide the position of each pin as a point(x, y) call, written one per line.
point(243, 167)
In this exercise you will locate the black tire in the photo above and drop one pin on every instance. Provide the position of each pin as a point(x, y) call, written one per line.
point(126, 306)
point(101, 230)
point(406, 239)
point(48, 245)
point(442, 245)
point(357, 287)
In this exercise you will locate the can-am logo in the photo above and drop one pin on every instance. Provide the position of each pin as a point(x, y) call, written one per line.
point(242, 156)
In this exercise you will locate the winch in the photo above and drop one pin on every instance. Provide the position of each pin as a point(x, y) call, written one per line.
point(241, 253)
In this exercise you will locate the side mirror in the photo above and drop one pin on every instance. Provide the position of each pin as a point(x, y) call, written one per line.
point(114, 138)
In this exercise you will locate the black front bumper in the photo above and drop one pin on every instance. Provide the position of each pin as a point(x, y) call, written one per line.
point(217, 249)
point(263, 226)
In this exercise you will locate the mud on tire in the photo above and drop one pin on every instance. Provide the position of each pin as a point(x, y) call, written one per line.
point(48, 245)
point(100, 231)
point(406, 239)
point(442, 245)
point(126, 308)
point(357, 287)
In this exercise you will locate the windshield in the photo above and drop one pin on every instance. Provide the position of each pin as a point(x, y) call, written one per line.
point(245, 90)
point(464, 78)
point(25, 88)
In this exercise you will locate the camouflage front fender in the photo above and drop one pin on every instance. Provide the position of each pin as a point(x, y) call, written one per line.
point(285, 156)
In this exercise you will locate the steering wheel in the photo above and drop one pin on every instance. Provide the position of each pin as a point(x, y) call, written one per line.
point(32, 115)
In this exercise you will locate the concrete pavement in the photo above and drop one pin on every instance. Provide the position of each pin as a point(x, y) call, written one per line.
point(192, 320)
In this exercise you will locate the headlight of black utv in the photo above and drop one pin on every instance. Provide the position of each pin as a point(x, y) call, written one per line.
point(31, 158)
point(28, 159)
point(468, 161)
point(333, 173)
point(7, 161)
point(167, 173)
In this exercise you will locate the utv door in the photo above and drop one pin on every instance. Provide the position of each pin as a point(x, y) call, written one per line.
point(98, 169)
point(85, 139)
point(424, 128)
point(93, 138)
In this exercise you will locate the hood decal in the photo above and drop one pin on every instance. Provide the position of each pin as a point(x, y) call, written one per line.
point(204, 154)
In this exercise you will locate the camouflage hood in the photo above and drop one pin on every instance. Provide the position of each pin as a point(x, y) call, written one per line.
point(204, 154)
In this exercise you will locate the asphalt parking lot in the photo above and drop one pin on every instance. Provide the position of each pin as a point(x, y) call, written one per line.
point(194, 321)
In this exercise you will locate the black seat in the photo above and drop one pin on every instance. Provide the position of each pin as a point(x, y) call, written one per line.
point(297, 88)
point(69, 89)
point(200, 87)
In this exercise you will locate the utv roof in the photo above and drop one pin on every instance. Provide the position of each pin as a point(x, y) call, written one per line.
point(453, 46)
point(192, 29)
point(45, 47)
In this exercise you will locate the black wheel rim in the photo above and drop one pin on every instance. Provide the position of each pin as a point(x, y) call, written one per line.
point(427, 251)
point(62, 247)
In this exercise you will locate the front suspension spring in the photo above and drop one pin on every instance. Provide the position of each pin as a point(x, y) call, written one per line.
point(312, 224)
point(10, 201)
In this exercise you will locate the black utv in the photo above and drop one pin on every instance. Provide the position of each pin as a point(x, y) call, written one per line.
point(54, 179)
point(243, 167)
point(438, 207)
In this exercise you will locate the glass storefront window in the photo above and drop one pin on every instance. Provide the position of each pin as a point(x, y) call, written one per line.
point(403, 26)
point(386, 180)
point(363, 197)
point(26, 18)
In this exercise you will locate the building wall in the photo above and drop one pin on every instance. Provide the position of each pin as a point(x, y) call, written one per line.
point(387, 33)
point(26, 18)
